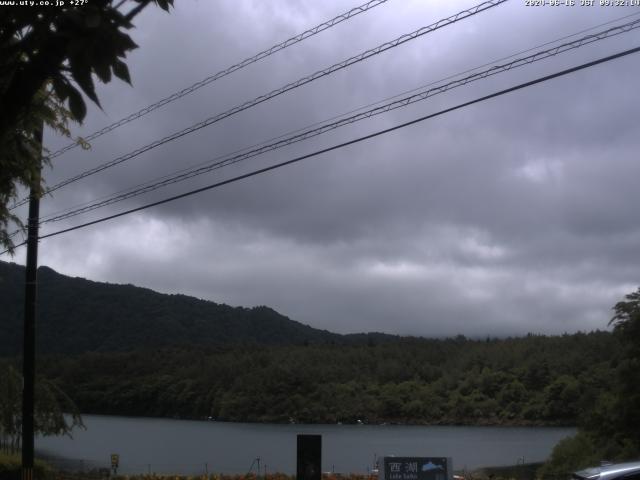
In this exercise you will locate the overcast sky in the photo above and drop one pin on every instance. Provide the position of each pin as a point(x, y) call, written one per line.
point(519, 214)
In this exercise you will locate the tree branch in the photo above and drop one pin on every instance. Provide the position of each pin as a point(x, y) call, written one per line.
point(136, 10)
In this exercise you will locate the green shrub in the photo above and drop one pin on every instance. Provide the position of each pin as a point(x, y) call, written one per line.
point(569, 455)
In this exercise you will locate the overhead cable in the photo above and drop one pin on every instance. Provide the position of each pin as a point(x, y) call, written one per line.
point(223, 73)
point(345, 144)
point(313, 132)
point(298, 83)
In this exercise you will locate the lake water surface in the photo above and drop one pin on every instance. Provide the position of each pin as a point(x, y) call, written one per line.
point(193, 447)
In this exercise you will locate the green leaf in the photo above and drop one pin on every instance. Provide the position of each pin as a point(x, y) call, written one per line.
point(76, 104)
point(61, 87)
point(121, 71)
point(82, 75)
point(163, 4)
point(102, 71)
point(93, 20)
point(122, 43)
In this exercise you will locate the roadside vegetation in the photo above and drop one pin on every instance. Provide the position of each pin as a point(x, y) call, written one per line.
point(10, 467)
point(610, 426)
point(54, 412)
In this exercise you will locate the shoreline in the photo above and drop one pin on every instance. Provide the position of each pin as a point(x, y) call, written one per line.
point(364, 422)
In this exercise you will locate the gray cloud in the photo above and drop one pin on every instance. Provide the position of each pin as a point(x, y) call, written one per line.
point(511, 216)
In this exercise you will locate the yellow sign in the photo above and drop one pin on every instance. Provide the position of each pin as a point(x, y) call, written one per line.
point(115, 459)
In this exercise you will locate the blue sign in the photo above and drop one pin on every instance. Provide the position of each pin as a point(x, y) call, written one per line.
point(417, 468)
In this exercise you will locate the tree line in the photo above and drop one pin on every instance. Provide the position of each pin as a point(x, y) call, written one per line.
point(535, 380)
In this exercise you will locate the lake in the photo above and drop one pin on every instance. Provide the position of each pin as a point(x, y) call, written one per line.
point(194, 447)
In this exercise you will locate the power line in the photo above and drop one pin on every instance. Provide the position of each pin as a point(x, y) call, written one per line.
point(345, 144)
point(298, 83)
point(403, 102)
point(551, 42)
point(223, 73)
point(251, 151)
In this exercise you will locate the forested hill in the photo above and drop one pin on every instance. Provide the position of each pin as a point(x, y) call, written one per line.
point(77, 315)
point(535, 380)
point(120, 349)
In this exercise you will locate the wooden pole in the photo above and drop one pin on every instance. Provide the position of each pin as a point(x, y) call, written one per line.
point(28, 352)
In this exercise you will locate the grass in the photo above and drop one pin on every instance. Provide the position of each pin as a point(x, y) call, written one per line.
point(11, 464)
point(250, 476)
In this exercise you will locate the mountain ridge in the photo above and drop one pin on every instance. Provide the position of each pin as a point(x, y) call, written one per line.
point(77, 315)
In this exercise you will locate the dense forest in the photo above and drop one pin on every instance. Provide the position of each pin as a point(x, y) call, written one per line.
point(77, 315)
point(533, 380)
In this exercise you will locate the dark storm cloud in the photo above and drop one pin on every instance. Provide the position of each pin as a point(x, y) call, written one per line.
point(511, 216)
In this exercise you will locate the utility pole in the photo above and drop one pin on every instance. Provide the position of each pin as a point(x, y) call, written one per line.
point(28, 351)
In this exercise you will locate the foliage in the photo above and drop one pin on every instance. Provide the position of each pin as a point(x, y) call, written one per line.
point(571, 454)
point(48, 56)
point(77, 315)
point(447, 381)
point(10, 405)
point(11, 467)
point(626, 323)
point(19, 151)
point(625, 319)
point(585, 450)
point(51, 405)
point(610, 424)
point(520, 471)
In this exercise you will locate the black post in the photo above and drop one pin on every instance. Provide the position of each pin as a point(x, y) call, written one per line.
point(309, 465)
point(28, 352)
